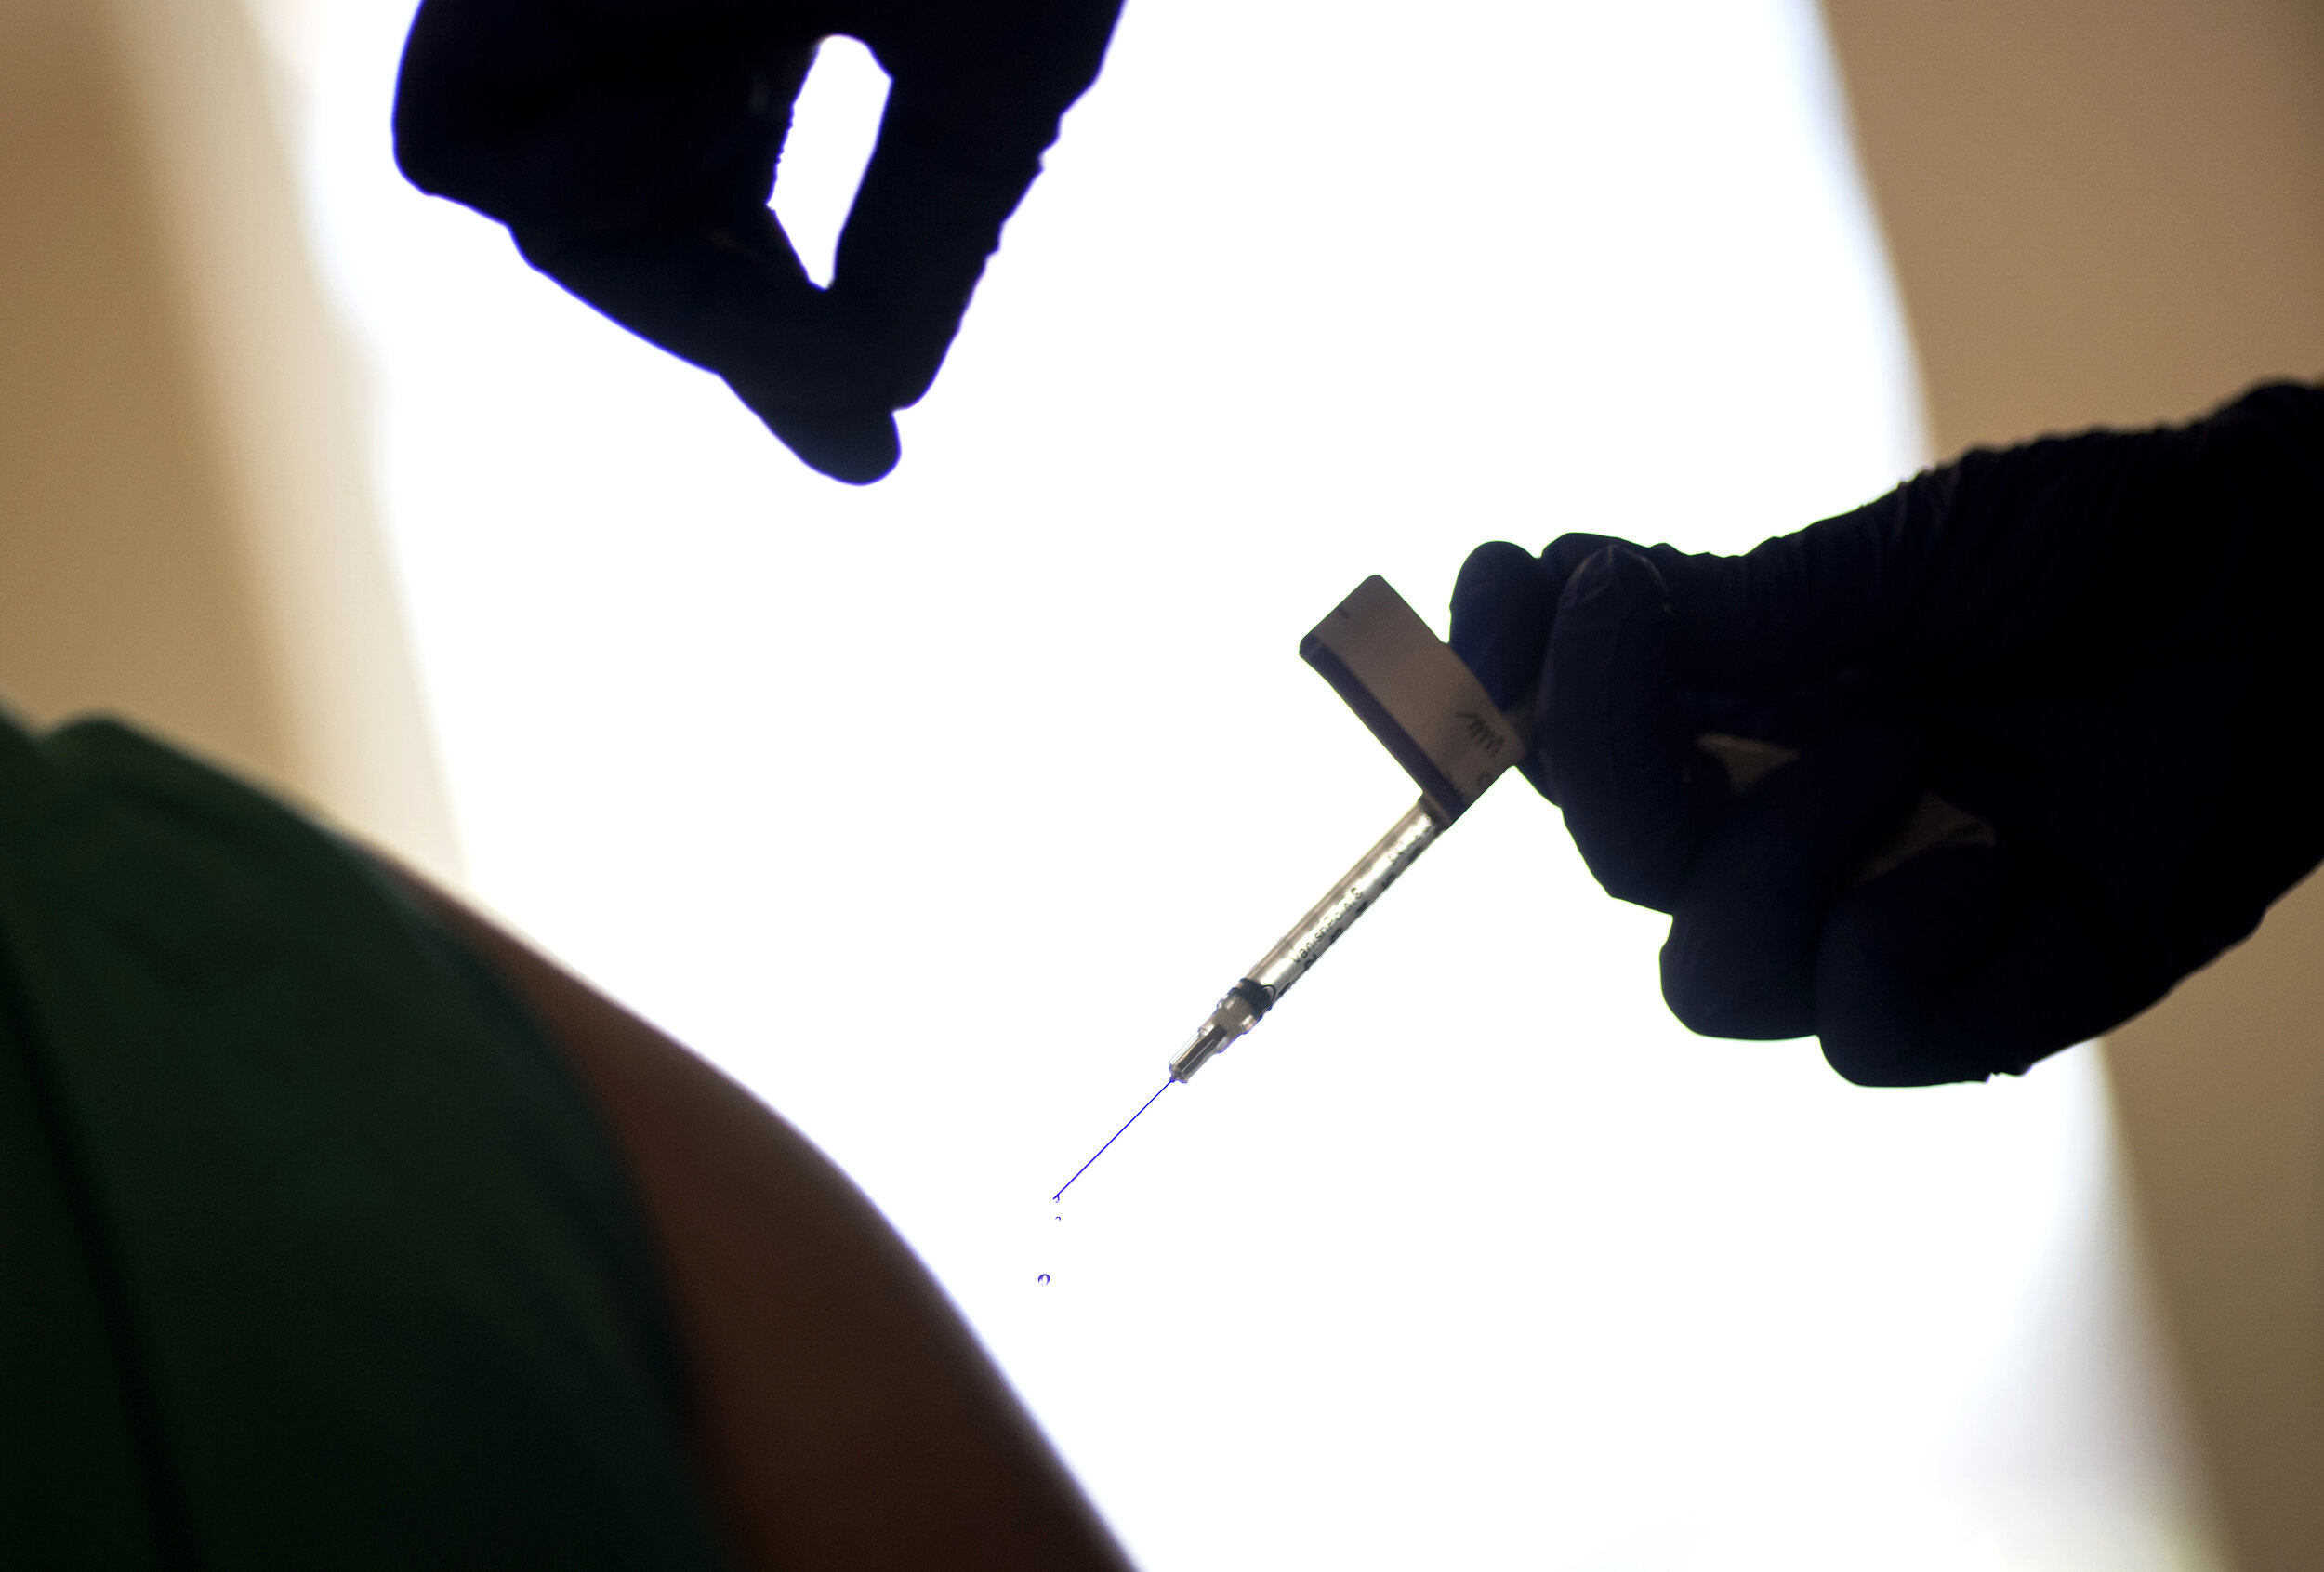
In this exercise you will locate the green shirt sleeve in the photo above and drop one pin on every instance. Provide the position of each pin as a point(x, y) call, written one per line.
point(312, 1252)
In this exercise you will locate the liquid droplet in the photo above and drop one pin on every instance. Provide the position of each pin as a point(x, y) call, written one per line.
point(1044, 1277)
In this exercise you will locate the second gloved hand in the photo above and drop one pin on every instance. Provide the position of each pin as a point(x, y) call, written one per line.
point(631, 147)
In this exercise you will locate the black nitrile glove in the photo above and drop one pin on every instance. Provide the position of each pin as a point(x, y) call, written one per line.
point(2078, 677)
point(630, 145)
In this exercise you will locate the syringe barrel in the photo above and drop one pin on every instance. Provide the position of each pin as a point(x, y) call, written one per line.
point(1287, 962)
point(1331, 917)
point(1430, 711)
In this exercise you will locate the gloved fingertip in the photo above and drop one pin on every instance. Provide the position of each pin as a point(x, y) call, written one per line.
point(1892, 961)
point(1503, 604)
point(1562, 556)
point(1615, 580)
point(1488, 575)
point(853, 448)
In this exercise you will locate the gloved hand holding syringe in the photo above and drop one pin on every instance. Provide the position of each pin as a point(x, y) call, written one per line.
point(1430, 712)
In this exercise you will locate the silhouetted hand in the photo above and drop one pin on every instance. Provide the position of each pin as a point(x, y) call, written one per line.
point(630, 145)
point(2079, 676)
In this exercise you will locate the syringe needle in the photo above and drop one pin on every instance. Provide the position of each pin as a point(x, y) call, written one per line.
point(1109, 1140)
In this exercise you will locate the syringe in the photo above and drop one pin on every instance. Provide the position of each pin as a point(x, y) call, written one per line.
point(1433, 717)
point(1293, 954)
point(1296, 951)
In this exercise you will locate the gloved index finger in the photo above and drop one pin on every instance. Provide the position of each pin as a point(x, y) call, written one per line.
point(1611, 725)
point(975, 98)
point(1503, 604)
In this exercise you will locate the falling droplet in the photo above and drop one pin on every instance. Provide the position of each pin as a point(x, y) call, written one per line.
point(1044, 1277)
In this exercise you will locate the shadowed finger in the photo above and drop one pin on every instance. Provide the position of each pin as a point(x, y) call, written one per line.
point(1502, 605)
point(1965, 963)
point(1612, 731)
point(1741, 957)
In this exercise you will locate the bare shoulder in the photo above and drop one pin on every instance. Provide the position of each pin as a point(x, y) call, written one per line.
point(842, 1414)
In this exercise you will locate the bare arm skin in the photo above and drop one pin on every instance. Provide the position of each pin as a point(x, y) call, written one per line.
point(844, 1418)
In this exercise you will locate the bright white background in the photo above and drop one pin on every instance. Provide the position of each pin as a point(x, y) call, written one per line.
point(939, 813)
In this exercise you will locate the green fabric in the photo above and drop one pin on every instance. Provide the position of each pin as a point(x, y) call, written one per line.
point(311, 1252)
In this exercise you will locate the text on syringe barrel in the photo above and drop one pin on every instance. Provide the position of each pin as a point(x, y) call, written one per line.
point(1299, 949)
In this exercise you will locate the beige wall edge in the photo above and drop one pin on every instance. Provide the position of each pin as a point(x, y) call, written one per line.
point(2112, 211)
point(189, 533)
